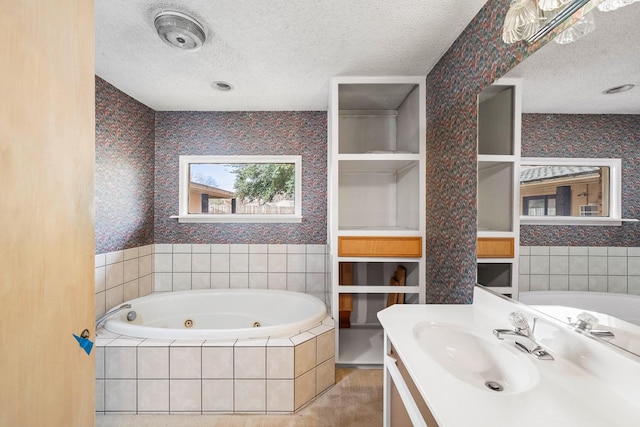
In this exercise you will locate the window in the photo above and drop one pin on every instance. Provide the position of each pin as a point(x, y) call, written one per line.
point(539, 205)
point(240, 189)
point(570, 191)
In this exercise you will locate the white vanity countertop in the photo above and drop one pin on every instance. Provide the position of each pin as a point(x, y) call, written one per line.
point(572, 390)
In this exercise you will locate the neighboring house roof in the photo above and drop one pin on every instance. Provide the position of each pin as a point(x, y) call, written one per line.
point(540, 173)
point(218, 193)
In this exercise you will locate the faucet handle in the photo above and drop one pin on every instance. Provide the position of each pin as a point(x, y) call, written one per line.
point(519, 321)
point(585, 321)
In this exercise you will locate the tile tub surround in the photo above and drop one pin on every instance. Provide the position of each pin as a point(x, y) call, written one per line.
point(179, 267)
point(121, 276)
point(275, 375)
point(580, 268)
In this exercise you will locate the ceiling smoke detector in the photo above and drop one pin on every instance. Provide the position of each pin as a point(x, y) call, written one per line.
point(179, 30)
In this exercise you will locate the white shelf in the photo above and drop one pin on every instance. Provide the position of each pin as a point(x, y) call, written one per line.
point(376, 188)
point(387, 230)
point(499, 122)
point(495, 233)
point(388, 156)
point(361, 345)
point(377, 165)
point(494, 158)
point(497, 260)
point(378, 289)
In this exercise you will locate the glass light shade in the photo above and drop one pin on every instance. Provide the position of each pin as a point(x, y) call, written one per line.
point(579, 29)
point(549, 5)
point(609, 5)
point(521, 21)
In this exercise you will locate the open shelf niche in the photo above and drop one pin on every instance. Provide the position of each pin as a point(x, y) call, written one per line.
point(376, 196)
point(499, 122)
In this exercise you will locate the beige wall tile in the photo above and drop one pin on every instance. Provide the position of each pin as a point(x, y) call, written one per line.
point(305, 388)
point(250, 362)
point(153, 362)
point(185, 395)
point(217, 395)
point(280, 395)
point(250, 395)
point(280, 362)
point(99, 396)
point(185, 362)
point(326, 346)
point(120, 395)
point(153, 396)
point(217, 362)
point(99, 352)
point(325, 375)
point(305, 357)
point(120, 362)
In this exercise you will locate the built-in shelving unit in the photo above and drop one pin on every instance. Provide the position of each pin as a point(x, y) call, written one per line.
point(499, 122)
point(376, 205)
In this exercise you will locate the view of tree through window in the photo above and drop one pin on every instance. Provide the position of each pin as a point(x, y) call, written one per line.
point(247, 188)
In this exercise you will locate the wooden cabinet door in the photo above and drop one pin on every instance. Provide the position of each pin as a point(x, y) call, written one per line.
point(495, 247)
point(47, 133)
point(409, 247)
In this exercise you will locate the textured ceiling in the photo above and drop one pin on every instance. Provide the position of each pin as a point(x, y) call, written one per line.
point(571, 78)
point(277, 54)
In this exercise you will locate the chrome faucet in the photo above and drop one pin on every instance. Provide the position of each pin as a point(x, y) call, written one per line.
point(522, 336)
point(585, 322)
point(111, 313)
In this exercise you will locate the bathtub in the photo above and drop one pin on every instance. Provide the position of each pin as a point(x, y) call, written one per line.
point(622, 306)
point(156, 364)
point(219, 314)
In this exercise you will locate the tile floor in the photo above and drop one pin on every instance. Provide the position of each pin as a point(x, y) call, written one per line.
point(355, 401)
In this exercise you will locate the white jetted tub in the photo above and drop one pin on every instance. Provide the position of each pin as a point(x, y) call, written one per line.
point(219, 314)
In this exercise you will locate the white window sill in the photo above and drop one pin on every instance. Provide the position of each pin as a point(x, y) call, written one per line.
point(238, 218)
point(568, 220)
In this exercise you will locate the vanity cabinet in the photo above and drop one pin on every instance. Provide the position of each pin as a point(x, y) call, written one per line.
point(376, 205)
point(499, 122)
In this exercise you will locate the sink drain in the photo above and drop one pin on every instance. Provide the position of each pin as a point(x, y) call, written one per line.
point(492, 385)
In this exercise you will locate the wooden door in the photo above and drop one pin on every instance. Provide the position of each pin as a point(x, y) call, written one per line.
point(47, 137)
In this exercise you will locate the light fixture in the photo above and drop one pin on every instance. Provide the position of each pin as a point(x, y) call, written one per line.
point(618, 89)
point(221, 86)
point(531, 20)
point(577, 30)
point(609, 5)
point(179, 30)
point(549, 5)
point(517, 28)
point(521, 22)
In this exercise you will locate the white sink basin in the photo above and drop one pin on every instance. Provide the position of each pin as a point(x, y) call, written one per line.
point(476, 361)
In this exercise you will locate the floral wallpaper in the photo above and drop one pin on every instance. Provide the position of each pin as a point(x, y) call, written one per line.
point(476, 59)
point(242, 133)
point(587, 135)
point(123, 170)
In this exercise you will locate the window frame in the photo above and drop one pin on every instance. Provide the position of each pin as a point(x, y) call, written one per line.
point(183, 192)
point(544, 197)
point(615, 192)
